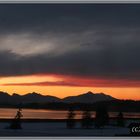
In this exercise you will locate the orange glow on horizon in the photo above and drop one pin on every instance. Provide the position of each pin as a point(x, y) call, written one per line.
point(63, 91)
point(28, 79)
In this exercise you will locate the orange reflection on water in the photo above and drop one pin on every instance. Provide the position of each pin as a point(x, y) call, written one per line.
point(54, 114)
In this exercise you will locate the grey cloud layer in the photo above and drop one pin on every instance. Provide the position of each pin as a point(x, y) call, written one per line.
point(84, 40)
point(66, 17)
point(108, 63)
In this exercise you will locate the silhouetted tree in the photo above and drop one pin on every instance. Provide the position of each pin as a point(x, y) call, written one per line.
point(70, 119)
point(101, 117)
point(120, 119)
point(87, 119)
point(16, 124)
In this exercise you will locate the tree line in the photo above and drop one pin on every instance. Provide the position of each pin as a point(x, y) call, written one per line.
point(87, 121)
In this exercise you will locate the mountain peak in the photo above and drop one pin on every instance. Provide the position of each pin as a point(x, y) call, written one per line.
point(102, 93)
point(89, 93)
point(33, 94)
point(4, 93)
point(88, 97)
point(15, 94)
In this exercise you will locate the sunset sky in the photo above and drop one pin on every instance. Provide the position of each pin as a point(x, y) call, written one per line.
point(69, 49)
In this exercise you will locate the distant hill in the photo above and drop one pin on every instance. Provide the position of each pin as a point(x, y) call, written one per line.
point(5, 98)
point(79, 102)
point(34, 97)
point(38, 98)
point(88, 97)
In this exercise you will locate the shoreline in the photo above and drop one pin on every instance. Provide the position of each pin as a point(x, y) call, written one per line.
point(62, 109)
point(58, 120)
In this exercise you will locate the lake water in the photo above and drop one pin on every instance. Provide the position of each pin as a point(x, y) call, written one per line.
point(53, 114)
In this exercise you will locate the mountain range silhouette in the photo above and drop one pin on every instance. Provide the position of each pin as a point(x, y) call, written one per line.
point(80, 102)
point(88, 97)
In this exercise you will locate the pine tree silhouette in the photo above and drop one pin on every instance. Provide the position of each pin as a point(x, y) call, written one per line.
point(120, 119)
point(102, 117)
point(87, 119)
point(70, 119)
point(16, 124)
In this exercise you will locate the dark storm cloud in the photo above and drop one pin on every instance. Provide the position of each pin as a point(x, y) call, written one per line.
point(63, 18)
point(99, 40)
point(107, 63)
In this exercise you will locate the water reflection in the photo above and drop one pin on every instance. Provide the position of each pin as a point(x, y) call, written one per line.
point(54, 114)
